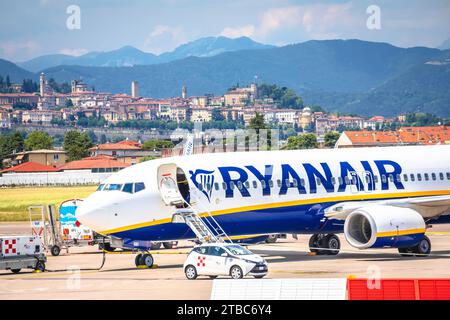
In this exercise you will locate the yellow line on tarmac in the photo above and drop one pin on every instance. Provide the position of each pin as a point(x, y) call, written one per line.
point(439, 233)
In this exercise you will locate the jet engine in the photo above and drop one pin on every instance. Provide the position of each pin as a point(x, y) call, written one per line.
point(382, 226)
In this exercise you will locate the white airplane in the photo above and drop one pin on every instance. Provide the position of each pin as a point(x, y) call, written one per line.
point(378, 197)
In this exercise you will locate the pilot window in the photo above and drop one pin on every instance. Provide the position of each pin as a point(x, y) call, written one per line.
point(139, 187)
point(128, 187)
point(101, 187)
point(113, 187)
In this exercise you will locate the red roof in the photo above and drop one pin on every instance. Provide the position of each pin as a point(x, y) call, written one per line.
point(93, 163)
point(122, 145)
point(30, 167)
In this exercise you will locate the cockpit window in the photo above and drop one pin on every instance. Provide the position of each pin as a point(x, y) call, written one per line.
point(113, 187)
point(139, 186)
point(128, 187)
point(101, 187)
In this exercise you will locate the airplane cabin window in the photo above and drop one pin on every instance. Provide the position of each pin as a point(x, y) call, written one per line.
point(405, 177)
point(399, 178)
point(448, 175)
point(128, 187)
point(333, 181)
point(279, 183)
point(340, 180)
point(426, 176)
point(413, 177)
point(247, 184)
point(295, 183)
point(375, 178)
point(419, 177)
point(224, 186)
point(239, 185)
point(383, 178)
point(271, 183)
point(433, 176)
point(200, 187)
point(302, 182)
point(391, 178)
point(216, 186)
point(255, 184)
point(441, 176)
point(318, 181)
point(231, 185)
point(208, 186)
point(139, 187)
point(100, 187)
point(263, 184)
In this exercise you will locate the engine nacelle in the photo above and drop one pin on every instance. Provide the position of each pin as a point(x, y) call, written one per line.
point(382, 226)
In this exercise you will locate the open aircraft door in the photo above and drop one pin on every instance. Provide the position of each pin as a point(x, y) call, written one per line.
point(167, 184)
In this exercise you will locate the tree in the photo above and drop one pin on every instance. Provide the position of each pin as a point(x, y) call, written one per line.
point(157, 144)
point(10, 143)
point(304, 141)
point(146, 158)
point(69, 103)
point(331, 138)
point(257, 122)
point(77, 145)
point(216, 115)
point(38, 140)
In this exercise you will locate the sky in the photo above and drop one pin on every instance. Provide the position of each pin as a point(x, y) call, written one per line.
point(30, 28)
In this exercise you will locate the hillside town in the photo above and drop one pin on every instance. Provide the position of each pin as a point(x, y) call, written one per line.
point(238, 105)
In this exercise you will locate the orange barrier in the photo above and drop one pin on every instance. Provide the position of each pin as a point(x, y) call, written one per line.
point(398, 289)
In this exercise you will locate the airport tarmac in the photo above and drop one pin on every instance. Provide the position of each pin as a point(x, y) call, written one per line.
point(119, 279)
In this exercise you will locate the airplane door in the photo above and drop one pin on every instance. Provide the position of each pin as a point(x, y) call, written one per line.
point(167, 184)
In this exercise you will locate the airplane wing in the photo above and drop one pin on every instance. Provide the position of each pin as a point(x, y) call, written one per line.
point(428, 207)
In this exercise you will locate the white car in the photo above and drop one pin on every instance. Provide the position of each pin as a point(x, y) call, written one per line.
point(223, 259)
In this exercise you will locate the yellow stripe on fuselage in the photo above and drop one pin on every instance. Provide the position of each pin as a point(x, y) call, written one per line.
point(358, 197)
point(400, 233)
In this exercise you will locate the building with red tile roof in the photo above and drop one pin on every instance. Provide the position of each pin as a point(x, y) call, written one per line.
point(402, 136)
point(28, 167)
point(126, 151)
point(95, 164)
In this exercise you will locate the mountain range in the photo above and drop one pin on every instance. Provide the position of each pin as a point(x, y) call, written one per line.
point(129, 56)
point(350, 76)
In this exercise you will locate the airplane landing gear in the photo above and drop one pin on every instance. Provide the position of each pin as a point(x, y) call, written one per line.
point(322, 244)
point(422, 249)
point(145, 259)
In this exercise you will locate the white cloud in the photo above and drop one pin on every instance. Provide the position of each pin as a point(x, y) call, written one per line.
point(277, 18)
point(247, 31)
point(163, 38)
point(74, 52)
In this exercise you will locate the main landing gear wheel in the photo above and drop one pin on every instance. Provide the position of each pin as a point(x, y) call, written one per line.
point(422, 249)
point(324, 244)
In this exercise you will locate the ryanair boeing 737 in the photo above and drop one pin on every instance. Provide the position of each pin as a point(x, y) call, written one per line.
point(378, 197)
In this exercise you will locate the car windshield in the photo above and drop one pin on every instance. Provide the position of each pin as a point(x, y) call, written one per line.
point(238, 250)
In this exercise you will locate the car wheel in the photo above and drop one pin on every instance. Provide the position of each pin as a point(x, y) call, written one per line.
point(259, 277)
point(190, 272)
point(213, 277)
point(405, 252)
point(236, 272)
point(15, 270)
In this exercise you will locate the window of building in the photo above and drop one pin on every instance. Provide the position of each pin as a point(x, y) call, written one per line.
point(56, 157)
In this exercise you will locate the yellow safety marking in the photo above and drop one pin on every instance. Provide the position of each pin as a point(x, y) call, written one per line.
point(438, 233)
point(289, 204)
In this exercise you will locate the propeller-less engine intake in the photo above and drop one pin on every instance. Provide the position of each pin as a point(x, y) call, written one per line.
point(381, 226)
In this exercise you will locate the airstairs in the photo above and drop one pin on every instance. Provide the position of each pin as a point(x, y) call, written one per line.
point(206, 228)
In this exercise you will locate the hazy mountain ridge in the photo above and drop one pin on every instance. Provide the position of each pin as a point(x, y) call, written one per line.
point(128, 56)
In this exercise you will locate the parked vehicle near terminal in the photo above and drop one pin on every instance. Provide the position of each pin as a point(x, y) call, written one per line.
point(223, 259)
